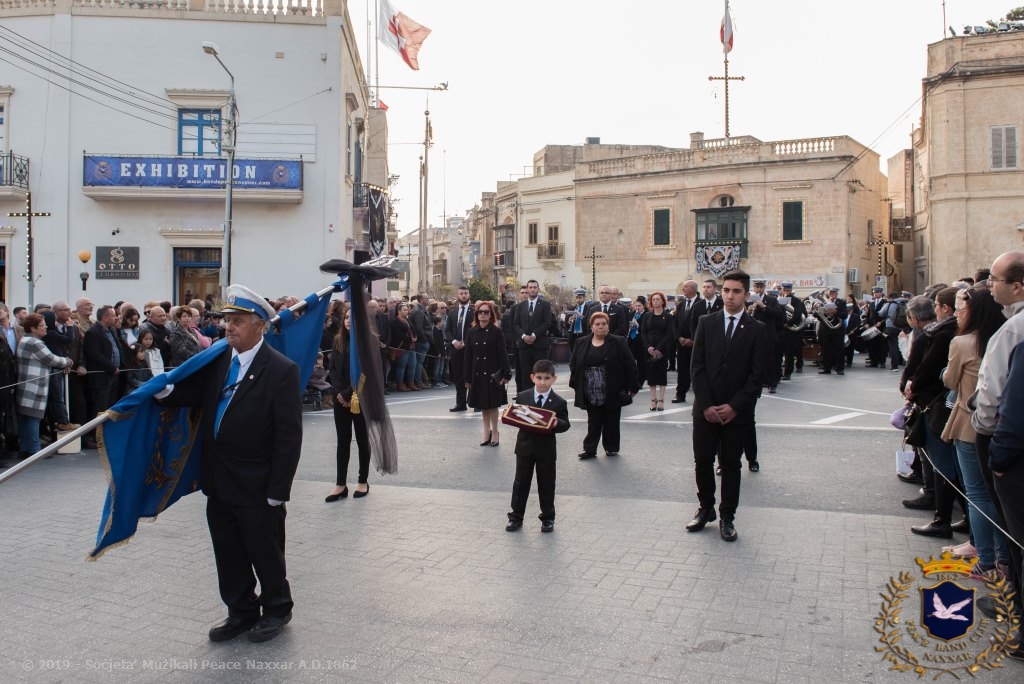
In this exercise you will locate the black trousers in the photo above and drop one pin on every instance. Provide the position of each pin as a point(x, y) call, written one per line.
point(636, 348)
point(78, 394)
point(344, 421)
point(457, 371)
point(832, 352)
point(683, 355)
point(603, 427)
point(750, 443)
point(527, 355)
point(247, 539)
point(878, 349)
point(794, 351)
point(727, 441)
point(772, 375)
point(545, 467)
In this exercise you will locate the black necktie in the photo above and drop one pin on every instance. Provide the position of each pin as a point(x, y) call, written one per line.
point(531, 307)
point(540, 401)
point(605, 309)
point(729, 330)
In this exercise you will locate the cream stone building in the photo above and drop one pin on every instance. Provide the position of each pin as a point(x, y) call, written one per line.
point(968, 178)
point(117, 122)
point(807, 210)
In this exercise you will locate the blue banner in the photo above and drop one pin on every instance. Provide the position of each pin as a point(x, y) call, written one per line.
point(190, 172)
point(152, 453)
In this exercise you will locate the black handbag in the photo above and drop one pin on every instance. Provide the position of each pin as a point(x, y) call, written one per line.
point(938, 414)
point(625, 398)
point(915, 425)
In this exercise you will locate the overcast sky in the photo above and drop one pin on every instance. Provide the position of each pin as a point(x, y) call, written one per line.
point(530, 73)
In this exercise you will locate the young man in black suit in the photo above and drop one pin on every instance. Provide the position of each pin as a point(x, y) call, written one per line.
point(251, 429)
point(708, 303)
point(531, 322)
point(684, 338)
point(460, 319)
point(538, 450)
point(728, 364)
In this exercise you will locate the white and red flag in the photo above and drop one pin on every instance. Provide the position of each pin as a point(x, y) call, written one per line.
point(401, 33)
point(725, 32)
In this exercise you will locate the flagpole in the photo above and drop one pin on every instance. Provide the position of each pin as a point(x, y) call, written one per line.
point(105, 416)
point(376, 52)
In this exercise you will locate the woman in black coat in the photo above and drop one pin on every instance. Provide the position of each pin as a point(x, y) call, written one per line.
point(601, 355)
point(486, 368)
point(658, 335)
point(344, 419)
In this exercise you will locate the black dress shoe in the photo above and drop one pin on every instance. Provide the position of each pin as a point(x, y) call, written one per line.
point(268, 627)
point(586, 454)
point(360, 494)
point(679, 400)
point(456, 409)
point(700, 519)
point(936, 528)
point(963, 526)
point(513, 525)
point(547, 525)
point(787, 377)
point(921, 503)
point(840, 372)
point(773, 390)
point(331, 498)
point(824, 372)
point(727, 530)
point(754, 466)
point(231, 628)
point(611, 453)
point(912, 478)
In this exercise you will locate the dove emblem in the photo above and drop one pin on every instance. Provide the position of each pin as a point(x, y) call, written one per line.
point(944, 613)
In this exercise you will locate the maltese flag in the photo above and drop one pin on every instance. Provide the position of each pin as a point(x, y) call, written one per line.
point(401, 34)
point(725, 32)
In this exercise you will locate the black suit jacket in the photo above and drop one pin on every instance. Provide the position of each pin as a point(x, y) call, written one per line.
point(701, 308)
point(256, 452)
point(537, 444)
point(451, 326)
point(618, 315)
point(539, 324)
point(728, 374)
point(681, 317)
point(98, 350)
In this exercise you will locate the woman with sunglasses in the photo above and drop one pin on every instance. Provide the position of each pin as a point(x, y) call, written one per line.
point(486, 369)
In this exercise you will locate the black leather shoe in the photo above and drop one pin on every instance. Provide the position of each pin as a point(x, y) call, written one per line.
point(611, 453)
point(700, 520)
point(754, 466)
point(824, 372)
point(963, 526)
point(268, 627)
point(456, 409)
point(912, 478)
point(360, 494)
point(513, 525)
point(231, 628)
point(773, 390)
point(921, 503)
point(586, 454)
point(936, 528)
point(331, 498)
point(547, 525)
point(787, 377)
point(727, 530)
point(679, 400)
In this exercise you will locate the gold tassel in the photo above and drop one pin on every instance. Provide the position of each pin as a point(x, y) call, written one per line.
point(354, 405)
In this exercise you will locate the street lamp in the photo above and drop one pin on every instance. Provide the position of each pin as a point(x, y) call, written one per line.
point(84, 256)
point(225, 267)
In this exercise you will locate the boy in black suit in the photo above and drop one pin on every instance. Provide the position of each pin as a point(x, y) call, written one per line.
point(538, 449)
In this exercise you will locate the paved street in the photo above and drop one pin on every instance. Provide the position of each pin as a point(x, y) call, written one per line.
point(420, 582)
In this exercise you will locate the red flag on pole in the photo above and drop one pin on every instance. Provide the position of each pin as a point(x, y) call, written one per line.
point(725, 32)
point(401, 34)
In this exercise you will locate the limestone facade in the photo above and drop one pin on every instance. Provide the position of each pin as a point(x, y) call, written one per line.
point(969, 178)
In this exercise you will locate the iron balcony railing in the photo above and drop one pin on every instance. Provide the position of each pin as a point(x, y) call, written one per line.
point(14, 171)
